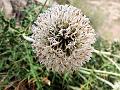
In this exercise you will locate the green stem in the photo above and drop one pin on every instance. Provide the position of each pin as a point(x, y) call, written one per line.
point(114, 63)
point(105, 81)
point(87, 71)
point(32, 70)
point(105, 53)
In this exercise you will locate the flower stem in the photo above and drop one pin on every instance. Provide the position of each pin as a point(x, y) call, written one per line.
point(87, 71)
point(116, 65)
point(105, 81)
point(105, 53)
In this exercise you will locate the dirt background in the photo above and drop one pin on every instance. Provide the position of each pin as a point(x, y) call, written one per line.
point(110, 29)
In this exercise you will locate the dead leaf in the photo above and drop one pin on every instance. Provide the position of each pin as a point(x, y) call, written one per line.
point(46, 81)
point(26, 85)
point(21, 85)
point(11, 85)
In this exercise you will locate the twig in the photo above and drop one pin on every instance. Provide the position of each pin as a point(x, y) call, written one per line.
point(43, 5)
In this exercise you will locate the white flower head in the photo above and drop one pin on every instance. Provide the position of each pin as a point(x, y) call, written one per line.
point(63, 38)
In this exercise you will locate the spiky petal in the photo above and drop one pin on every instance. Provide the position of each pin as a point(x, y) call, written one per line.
point(63, 38)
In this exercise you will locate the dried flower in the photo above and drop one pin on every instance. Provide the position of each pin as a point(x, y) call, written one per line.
point(63, 38)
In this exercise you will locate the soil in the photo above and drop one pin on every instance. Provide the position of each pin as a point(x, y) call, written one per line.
point(110, 30)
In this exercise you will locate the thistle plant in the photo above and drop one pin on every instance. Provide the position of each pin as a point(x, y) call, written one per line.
point(62, 38)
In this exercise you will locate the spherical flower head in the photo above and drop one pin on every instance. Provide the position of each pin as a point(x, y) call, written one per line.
point(63, 38)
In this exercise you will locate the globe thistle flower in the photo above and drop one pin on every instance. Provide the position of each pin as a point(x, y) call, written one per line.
point(63, 38)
